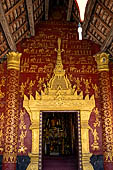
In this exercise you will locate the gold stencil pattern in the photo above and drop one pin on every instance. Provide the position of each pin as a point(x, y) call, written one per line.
point(96, 90)
point(31, 84)
point(2, 84)
point(95, 145)
point(106, 115)
point(1, 130)
point(22, 89)
point(12, 110)
point(23, 130)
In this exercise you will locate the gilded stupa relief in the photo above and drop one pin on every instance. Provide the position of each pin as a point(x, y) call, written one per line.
point(59, 89)
point(59, 95)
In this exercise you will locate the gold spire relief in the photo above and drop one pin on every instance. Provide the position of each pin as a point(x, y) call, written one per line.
point(59, 79)
point(57, 95)
point(58, 71)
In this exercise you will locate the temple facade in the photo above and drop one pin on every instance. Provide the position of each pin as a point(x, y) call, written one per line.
point(56, 100)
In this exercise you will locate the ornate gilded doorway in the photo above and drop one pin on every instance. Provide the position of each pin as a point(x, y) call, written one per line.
point(59, 94)
point(60, 140)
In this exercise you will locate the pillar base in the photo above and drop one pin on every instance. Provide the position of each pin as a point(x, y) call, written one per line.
point(86, 161)
point(34, 161)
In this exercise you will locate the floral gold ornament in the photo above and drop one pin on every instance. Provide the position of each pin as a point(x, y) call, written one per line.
point(106, 105)
point(59, 94)
point(12, 113)
point(70, 76)
point(12, 110)
point(94, 86)
point(1, 130)
point(106, 101)
point(31, 84)
point(78, 84)
point(2, 84)
point(9, 158)
point(87, 85)
point(40, 83)
point(22, 89)
point(22, 126)
point(96, 124)
point(112, 80)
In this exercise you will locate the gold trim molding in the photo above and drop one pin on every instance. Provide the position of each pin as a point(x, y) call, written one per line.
point(59, 95)
point(13, 60)
point(9, 157)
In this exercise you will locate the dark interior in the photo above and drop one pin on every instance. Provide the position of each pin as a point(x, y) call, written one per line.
point(60, 135)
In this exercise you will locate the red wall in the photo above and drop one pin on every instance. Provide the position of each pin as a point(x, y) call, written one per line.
point(37, 64)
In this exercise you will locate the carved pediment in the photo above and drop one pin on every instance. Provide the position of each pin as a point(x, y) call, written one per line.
point(59, 86)
point(58, 95)
point(59, 91)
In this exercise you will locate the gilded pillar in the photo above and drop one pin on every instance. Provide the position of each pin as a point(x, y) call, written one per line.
point(12, 111)
point(106, 109)
point(85, 115)
point(34, 155)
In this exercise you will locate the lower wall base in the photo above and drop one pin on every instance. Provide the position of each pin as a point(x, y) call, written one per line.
point(1, 157)
point(23, 162)
point(97, 162)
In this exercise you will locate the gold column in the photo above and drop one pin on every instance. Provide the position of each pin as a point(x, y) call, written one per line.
point(106, 109)
point(12, 111)
point(34, 155)
point(84, 115)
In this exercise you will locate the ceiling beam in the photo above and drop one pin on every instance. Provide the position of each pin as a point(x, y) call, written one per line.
point(94, 38)
point(69, 10)
point(101, 21)
point(46, 9)
point(111, 53)
point(105, 8)
point(108, 40)
point(88, 14)
point(6, 29)
point(30, 16)
point(97, 31)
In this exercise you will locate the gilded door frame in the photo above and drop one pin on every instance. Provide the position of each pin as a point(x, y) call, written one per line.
point(35, 106)
point(59, 94)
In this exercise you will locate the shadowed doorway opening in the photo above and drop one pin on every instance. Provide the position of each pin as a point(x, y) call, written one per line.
point(60, 140)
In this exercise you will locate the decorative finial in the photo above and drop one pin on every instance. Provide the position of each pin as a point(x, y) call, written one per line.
point(59, 43)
